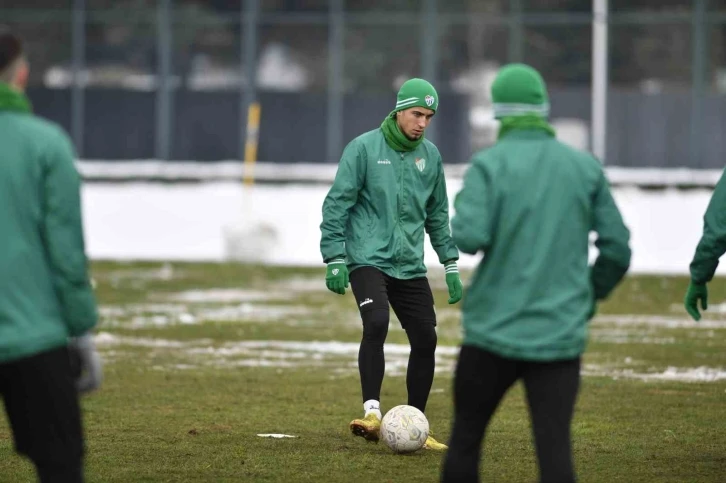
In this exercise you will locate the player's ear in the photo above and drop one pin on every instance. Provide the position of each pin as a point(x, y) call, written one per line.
point(22, 74)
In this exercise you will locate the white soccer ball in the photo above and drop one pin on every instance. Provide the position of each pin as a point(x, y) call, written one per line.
point(404, 429)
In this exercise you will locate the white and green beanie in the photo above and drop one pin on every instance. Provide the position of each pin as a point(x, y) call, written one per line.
point(519, 90)
point(417, 93)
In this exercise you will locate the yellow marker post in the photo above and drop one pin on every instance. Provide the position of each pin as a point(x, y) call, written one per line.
point(253, 130)
point(249, 239)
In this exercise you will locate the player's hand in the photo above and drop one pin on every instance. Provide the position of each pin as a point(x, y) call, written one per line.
point(453, 282)
point(696, 292)
point(86, 363)
point(336, 278)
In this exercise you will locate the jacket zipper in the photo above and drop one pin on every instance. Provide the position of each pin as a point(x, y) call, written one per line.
point(400, 211)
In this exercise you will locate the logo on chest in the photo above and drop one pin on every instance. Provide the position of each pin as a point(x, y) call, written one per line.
point(383, 161)
point(420, 164)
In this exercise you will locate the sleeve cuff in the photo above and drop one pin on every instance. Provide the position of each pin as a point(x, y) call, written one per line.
point(451, 267)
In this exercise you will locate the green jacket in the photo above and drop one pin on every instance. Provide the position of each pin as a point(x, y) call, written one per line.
point(713, 240)
point(45, 295)
point(380, 204)
point(529, 203)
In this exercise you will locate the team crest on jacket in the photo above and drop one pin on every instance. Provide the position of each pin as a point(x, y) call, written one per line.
point(420, 164)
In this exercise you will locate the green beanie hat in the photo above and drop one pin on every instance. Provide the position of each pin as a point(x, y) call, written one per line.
point(417, 93)
point(519, 90)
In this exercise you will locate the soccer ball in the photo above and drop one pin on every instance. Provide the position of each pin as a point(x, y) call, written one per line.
point(404, 429)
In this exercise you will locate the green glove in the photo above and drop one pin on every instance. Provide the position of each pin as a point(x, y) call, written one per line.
point(696, 292)
point(336, 279)
point(456, 289)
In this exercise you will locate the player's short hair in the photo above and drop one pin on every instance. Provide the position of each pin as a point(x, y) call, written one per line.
point(11, 49)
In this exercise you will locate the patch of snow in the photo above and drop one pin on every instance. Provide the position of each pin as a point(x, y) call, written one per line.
point(698, 374)
point(221, 295)
point(658, 321)
point(149, 219)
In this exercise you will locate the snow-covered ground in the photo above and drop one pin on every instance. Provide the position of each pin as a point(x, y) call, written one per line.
point(144, 169)
point(280, 223)
point(341, 358)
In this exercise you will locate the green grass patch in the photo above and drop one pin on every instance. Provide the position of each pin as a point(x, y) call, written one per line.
point(202, 357)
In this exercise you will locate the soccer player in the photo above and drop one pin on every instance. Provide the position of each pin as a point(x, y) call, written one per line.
point(388, 190)
point(709, 249)
point(47, 305)
point(529, 203)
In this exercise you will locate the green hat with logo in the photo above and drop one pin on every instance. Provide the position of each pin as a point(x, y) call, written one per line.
point(519, 90)
point(417, 93)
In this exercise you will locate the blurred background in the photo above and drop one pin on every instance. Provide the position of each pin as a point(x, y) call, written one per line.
point(161, 99)
point(173, 79)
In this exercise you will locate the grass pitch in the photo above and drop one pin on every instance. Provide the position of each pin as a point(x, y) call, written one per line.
point(201, 358)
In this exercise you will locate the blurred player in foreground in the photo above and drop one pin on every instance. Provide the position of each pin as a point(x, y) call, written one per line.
point(529, 203)
point(47, 306)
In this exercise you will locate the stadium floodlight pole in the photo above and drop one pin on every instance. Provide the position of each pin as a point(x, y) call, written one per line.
point(79, 58)
point(429, 51)
point(336, 51)
point(700, 54)
point(163, 79)
point(598, 134)
point(516, 36)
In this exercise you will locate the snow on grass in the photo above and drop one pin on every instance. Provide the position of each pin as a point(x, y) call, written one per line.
point(252, 312)
point(341, 357)
point(223, 295)
point(139, 316)
point(165, 272)
point(302, 285)
point(217, 305)
point(713, 308)
point(281, 354)
point(696, 374)
point(659, 321)
point(126, 310)
point(106, 339)
point(626, 337)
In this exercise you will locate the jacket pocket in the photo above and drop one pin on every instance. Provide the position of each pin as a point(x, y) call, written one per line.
point(362, 227)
